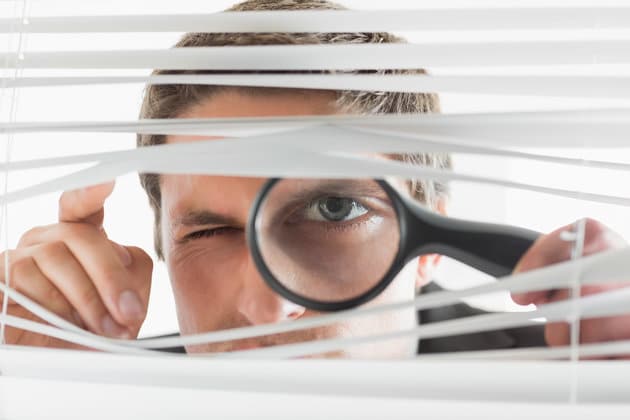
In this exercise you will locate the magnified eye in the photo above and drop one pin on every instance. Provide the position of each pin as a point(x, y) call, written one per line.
point(334, 209)
point(327, 239)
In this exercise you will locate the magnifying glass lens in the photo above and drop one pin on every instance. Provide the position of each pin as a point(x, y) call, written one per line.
point(328, 240)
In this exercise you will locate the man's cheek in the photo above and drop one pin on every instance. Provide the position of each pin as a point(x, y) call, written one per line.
point(205, 295)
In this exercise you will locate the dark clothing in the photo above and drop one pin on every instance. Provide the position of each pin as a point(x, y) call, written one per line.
point(489, 340)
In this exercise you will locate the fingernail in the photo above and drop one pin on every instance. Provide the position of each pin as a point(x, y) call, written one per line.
point(130, 306)
point(123, 253)
point(112, 329)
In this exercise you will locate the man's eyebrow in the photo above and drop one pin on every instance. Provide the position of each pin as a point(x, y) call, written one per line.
point(204, 217)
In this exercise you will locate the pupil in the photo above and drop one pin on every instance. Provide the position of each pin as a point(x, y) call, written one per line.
point(335, 208)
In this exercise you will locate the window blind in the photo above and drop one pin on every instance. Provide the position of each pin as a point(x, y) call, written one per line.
point(555, 136)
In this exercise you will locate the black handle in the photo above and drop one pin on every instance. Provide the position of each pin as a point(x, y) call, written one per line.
point(492, 248)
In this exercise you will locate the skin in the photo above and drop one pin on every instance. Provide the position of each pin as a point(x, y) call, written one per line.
point(245, 300)
point(76, 271)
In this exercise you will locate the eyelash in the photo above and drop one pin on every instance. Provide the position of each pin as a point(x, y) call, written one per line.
point(353, 225)
point(208, 233)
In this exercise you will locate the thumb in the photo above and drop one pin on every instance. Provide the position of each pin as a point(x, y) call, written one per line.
point(86, 204)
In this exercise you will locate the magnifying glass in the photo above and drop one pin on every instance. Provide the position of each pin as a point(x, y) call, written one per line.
point(333, 244)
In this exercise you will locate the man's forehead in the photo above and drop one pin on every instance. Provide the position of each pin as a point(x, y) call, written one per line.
point(185, 197)
point(235, 103)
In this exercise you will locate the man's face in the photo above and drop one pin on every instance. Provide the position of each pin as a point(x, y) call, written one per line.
point(215, 281)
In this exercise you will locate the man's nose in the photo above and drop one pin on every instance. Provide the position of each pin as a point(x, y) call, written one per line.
point(260, 304)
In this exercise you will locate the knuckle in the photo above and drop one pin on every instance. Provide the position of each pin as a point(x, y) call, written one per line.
point(30, 235)
point(111, 274)
point(52, 296)
point(20, 270)
point(56, 250)
point(65, 199)
point(143, 258)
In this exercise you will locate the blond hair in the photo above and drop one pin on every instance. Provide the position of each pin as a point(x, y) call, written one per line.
point(171, 101)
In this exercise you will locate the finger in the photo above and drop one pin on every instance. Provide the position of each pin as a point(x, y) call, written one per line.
point(553, 248)
point(557, 333)
point(27, 279)
point(597, 330)
point(85, 205)
point(592, 330)
point(59, 266)
point(141, 269)
point(121, 282)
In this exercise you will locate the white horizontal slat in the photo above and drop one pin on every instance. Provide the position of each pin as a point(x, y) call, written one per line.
point(229, 157)
point(335, 57)
point(400, 381)
point(398, 4)
point(334, 21)
point(562, 129)
point(567, 86)
point(372, 140)
point(84, 338)
point(168, 402)
point(607, 349)
point(401, 143)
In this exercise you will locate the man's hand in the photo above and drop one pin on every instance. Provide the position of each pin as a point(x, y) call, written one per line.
point(75, 271)
point(551, 249)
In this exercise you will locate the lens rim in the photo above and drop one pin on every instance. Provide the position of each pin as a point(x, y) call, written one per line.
point(278, 287)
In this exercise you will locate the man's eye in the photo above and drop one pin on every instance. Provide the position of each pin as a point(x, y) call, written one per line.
point(208, 233)
point(334, 209)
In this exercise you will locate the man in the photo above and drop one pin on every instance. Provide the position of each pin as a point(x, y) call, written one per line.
point(76, 271)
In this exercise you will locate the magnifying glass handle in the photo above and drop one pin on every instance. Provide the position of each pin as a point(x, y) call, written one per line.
point(492, 248)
